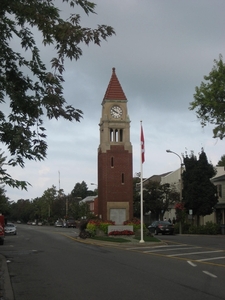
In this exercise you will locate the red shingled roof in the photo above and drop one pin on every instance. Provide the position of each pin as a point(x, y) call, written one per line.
point(114, 90)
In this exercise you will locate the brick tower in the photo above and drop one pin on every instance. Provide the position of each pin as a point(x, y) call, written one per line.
point(115, 179)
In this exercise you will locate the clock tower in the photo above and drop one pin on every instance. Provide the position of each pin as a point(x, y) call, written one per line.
point(115, 179)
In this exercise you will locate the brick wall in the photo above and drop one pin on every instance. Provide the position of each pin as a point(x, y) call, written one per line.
point(115, 183)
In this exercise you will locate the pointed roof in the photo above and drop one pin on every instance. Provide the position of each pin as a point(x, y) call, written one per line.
point(114, 90)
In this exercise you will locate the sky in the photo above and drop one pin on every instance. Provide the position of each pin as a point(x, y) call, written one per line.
point(161, 51)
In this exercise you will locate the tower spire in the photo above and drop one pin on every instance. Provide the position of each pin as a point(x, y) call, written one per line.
point(114, 90)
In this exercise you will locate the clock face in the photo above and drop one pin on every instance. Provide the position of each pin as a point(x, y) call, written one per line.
point(116, 112)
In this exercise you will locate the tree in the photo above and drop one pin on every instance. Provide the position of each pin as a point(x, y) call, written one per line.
point(80, 190)
point(47, 200)
point(31, 92)
point(5, 178)
point(210, 99)
point(221, 162)
point(22, 210)
point(4, 202)
point(136, 197)
point(158, 197)
point(199, 193)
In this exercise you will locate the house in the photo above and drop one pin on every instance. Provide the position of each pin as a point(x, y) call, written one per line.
point(218, 216)
point(92, 201)
point(219, 182)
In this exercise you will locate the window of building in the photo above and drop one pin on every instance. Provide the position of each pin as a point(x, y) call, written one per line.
point(219, 190)
point(122, 179)
point(121, 135)
point(116, 135)
point(111, 135)
point(112, 162)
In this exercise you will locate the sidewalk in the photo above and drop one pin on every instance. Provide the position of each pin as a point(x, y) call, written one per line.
point(6, 291)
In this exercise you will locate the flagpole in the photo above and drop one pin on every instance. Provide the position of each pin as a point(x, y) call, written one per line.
point(141, 183)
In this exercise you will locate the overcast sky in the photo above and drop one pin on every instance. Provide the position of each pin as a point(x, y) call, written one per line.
point(161, 51)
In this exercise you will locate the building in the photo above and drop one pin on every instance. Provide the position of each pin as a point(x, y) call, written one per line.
point(218, 216)
point(115, 179)
point(91, 201)
point(219, 182)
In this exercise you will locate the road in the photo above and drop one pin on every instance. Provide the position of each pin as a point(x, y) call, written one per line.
point(49, 263)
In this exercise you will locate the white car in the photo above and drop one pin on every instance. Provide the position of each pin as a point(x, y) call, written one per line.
point(10, 228)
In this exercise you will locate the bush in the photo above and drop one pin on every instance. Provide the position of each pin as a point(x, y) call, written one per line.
point(193, 229)
point(103, 226)
point(136, 223)
point(211, 228)
point(95, 224)
point(176, 228)
point(208, 228)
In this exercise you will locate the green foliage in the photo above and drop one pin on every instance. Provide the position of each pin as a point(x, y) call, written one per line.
point(208, 228)
point(158, 197)
point(176, 228)
point(221, 162)
point(199, 193)
point(111, 239)
point(103, 226)
point(97, 224)
point(91, 227)
point(210, 99)
point(4, 202)
point(136, 223)
point(6, 178)
point(80, 190)
point(29, 90)
point(22, 210)
point(136, 197)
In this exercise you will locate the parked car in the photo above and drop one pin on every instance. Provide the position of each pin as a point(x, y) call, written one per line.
point(163, 227)
point(59, 223)
point(71, 223)
point(2, 235)
point(10, 229)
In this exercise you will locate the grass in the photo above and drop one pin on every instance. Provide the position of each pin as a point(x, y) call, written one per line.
point(111, 239)
point(148, 238)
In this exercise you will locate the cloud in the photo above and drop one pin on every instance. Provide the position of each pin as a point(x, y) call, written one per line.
point(161, 52)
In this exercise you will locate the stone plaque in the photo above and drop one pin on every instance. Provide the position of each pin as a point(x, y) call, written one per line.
point(118, 215)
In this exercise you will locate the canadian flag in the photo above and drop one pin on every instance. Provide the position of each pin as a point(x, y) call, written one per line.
point(142, 146)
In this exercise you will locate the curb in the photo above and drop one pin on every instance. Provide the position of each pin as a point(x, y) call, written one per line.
point(6, 291)
point(127, 245)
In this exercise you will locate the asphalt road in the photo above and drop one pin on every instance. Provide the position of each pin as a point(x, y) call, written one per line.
point(50, 264)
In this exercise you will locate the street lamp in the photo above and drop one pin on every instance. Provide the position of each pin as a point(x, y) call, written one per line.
point(96, 189)
point(181, 182)
point(181, 185)
point(94, 184)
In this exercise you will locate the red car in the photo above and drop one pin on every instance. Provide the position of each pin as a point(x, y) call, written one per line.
point(2, 235)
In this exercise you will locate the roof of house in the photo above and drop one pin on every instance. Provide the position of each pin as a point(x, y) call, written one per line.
point(153, 178)
point(156, 178)
point(114, 90)
point(88, 199)
point(219, 178)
